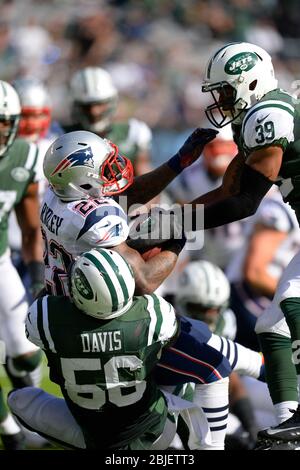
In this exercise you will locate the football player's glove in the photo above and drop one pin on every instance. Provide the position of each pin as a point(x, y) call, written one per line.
point(154, 229)
point(191, 149)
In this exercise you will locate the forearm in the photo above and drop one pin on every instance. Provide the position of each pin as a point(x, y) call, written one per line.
point(213, 196)
point(253, 187)
point(32, 246)
point(146, 187)
point(228, 210)
point(155, 271)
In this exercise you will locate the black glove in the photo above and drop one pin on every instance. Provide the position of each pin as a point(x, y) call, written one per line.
point(155, 229)
point(191, 149)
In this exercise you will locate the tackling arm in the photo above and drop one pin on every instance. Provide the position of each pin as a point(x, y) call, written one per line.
point(151, 273)
point(258, 175)
point(146, 187)
point(230, 183)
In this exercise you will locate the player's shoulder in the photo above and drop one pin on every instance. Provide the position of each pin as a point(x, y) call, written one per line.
point(276, 103)
point(270, 121)
point(20, 143)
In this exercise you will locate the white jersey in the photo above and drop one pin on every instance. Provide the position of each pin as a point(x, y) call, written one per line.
point(70, 228)
point(277, 215)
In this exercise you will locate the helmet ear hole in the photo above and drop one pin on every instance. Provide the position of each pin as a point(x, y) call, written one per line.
point(252, 85)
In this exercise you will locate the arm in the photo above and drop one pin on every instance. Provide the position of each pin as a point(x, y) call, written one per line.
point(146, 187)
point(230, 184)
point(258, 175)
point(151, 273)
point(262, 247)
point(27, 212)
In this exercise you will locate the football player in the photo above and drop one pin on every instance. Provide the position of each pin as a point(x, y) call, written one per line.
point(240, 78)
point(104, 364)
point(94, 105)
point(35, 126)
point(75, 217)
point(18, 191)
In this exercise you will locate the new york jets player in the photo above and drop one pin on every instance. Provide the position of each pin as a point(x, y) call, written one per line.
point(81, 167)
point(19, 191)
point(241, 79)
point(35, 127)
point(102, 346)
point(94, 105)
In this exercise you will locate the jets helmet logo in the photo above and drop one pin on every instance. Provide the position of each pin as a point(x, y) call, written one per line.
point(82, 284)
point(82, 157)
point(241, 63)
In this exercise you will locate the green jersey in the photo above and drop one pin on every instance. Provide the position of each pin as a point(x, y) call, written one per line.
point(104, 368)
point(131, 137)
point(275, 121)
point(18, 168)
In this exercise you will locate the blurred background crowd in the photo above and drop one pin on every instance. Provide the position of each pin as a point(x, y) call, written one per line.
point(155, 50)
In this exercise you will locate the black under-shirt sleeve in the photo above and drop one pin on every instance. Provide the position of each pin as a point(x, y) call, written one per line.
point(253, 187)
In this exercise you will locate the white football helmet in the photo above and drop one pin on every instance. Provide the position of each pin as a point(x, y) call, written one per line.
point(36, 108)
point(79, 165)
point(201, 286)
point(10, 110)
point(102, 284)
point(238, 75)
point(93, 86)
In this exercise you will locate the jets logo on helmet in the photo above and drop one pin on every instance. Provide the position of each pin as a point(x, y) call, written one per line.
point(82, 284)
point(238, 75)
point(102, 284)
point(241, 62)
point(82, 157)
